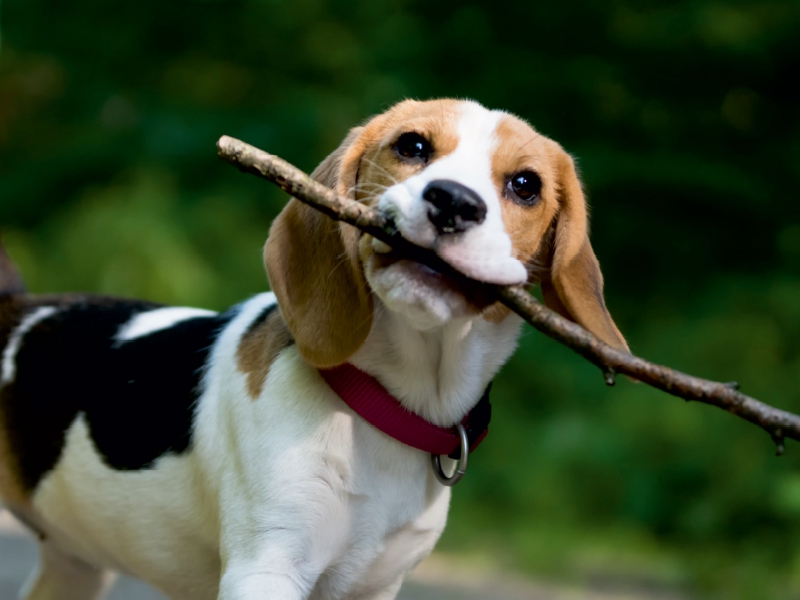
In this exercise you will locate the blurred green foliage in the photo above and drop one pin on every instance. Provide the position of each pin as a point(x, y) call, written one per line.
point(684, 117)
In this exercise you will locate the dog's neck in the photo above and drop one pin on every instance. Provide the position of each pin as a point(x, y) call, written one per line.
point(441, 373)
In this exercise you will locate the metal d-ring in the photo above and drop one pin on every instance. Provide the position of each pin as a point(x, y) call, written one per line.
point(461, 467)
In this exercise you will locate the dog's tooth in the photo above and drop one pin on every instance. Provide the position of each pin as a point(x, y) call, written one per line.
point(380, 247)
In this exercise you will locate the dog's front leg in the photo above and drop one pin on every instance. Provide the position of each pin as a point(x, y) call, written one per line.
point(272, 567)
point(280, 552)
point(244, 582)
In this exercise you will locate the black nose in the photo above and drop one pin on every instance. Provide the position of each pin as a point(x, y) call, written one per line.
point(453, 207)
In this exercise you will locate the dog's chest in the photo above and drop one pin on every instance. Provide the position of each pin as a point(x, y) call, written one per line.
point(315, 480)
point(361, 508)
point(394, 556)
point(392, 527)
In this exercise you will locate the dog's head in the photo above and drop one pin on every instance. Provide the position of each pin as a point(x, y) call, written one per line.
point(495, 199)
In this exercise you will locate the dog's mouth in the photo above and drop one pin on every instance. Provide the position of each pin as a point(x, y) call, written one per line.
point(476, 293)
point(387, 258)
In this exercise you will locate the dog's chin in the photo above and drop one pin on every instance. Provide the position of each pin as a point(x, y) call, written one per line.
point(427, 299)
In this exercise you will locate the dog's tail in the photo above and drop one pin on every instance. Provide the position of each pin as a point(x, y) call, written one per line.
point(10, 277)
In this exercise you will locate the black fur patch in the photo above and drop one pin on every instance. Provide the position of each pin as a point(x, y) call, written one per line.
point(137, 396)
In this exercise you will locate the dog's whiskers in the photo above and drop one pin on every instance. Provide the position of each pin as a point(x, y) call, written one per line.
point(365, 186)
point(385, 172)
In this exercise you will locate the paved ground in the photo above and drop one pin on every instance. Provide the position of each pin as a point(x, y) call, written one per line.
point(436, 579)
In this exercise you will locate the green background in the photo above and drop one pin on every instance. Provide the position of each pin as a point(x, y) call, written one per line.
point(683, 117)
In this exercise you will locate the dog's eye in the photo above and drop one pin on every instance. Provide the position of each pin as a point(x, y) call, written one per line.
point(412, 145)
point(525, 187)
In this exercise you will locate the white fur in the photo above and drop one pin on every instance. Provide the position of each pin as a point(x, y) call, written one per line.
point(15, 340)
point(483, 252)
point(160, 318)
point(292, 496)
point(438, 373)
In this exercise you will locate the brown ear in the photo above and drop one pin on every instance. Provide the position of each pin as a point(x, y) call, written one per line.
point(575, 285)
point(315, 271)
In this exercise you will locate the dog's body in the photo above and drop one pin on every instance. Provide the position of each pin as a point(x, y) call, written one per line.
point(204, 452)
point(294, 464)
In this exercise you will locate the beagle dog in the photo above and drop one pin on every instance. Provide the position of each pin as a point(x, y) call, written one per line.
point(207, 454)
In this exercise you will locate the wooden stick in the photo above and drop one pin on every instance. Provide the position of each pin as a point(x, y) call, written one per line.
point(777, 423)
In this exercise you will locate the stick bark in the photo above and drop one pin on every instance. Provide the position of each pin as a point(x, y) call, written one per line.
point(779, 424)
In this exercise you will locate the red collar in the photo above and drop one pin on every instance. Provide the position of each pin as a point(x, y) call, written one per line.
point(373, 403)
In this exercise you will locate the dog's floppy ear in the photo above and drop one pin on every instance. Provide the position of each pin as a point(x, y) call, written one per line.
point(575, 285)
point(315, 271)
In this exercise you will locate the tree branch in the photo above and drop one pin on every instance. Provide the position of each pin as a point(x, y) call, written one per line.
point(777, 423)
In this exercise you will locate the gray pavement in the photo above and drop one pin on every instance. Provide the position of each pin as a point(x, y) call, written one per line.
point(18, 557)
point(436, 579)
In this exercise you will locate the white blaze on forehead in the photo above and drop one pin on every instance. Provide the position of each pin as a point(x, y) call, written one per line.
point(471, 162)
point(484, 252)
point(155, 320)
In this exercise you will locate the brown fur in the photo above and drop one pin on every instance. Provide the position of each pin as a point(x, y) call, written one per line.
point(520, 148)
point(258, 349)
point(575, 275)
point(314, 270)
point(12, 491)
point(377, 165)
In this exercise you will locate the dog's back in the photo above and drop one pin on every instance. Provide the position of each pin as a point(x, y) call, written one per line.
point(91, 388)
point(99, 357)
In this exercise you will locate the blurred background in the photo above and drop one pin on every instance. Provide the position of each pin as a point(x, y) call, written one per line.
point(683, 116)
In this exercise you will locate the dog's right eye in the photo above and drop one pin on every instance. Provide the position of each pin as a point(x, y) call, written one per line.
point(525, 188)
point(412, 145)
